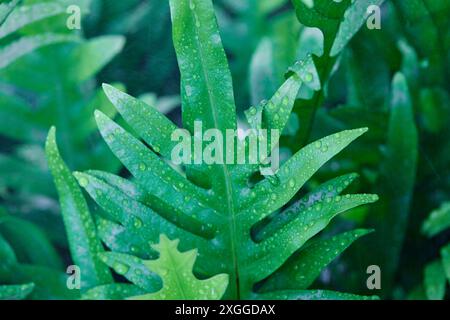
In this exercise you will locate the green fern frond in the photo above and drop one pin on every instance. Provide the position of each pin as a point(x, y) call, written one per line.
point(213, 208)
point(178, 282)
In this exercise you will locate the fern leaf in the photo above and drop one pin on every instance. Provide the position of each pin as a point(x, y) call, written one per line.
point(297, 171)
point(144, 119)
point(113, 291)
point(123, 206)
point(307, 264)
point(329, 189)
point(206, 79)
point(6, 9)
point(212, 208)
point(175, 269)
point(83, 240)
point(133, 269)
point(274, 251)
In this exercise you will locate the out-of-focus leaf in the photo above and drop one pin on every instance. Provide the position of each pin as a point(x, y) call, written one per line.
point(29, 14)
point(438, 221)
point(435, 281)
point(268, 65)
point(244, 24)
point(370, 96)
point(24, 176)
point(397, 177)
point(435, 109)
point(7, 255)
point(90, 57)
point(30, 244)
point(445, 254)
point(354, 18)
point(427, 26)
point(50, 284)
point(15, 292)
point(25, 45)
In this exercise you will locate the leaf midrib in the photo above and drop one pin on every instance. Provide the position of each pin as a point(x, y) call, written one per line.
point(225, 172)
point(176, 272)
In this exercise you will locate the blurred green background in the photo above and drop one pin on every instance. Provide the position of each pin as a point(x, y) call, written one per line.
point(405, 158)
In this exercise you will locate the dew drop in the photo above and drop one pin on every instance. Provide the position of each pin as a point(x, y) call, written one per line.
point(188, 90)
point(137, 223)
point(84, 182)
point(291, 183)
point(274, 180)
point(121, 268)
point(163, 272)
point(308, 77)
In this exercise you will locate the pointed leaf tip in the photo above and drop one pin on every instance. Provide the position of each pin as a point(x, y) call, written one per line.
point(108, 89)
point(100, 116)
point(399, 77)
